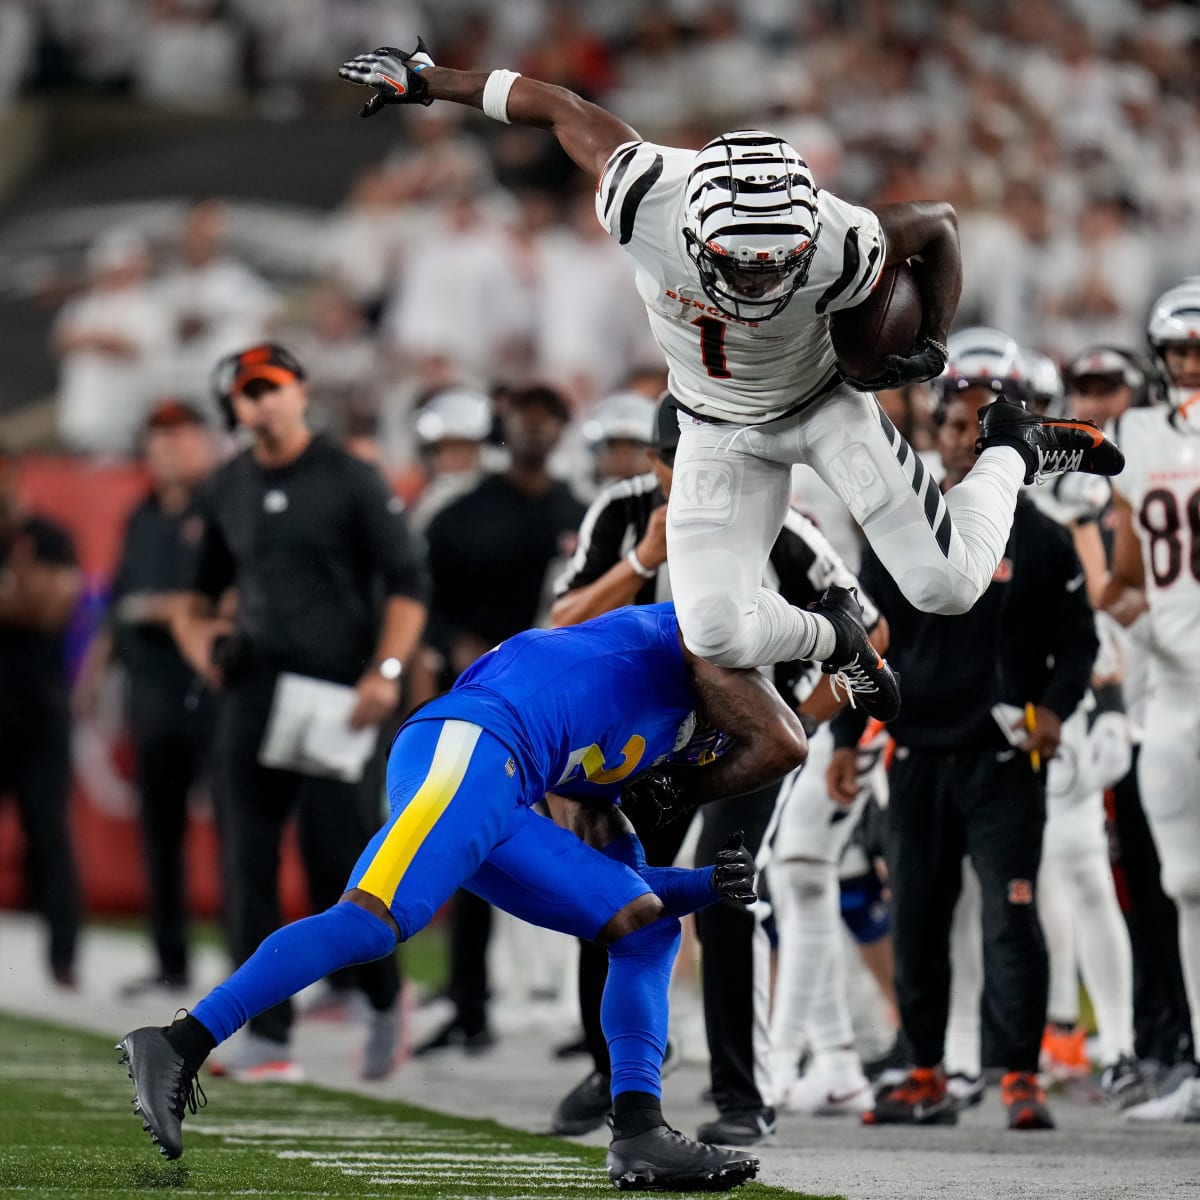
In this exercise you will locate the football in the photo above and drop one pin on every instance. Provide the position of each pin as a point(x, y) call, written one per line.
point(887, 322)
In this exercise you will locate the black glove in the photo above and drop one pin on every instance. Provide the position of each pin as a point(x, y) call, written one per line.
point(733, 872)
point(927, 361)
point(394, 74)
point(655, 798)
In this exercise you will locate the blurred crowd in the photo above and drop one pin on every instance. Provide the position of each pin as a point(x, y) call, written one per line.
point(1066, 134)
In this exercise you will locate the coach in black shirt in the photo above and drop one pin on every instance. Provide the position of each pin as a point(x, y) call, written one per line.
point(39, 586)
point(170, 717)
point(958, 784)
point(330, 585)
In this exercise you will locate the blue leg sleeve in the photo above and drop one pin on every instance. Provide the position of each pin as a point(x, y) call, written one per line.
point(681, 890)
point(290, 959)
point(634, 1008)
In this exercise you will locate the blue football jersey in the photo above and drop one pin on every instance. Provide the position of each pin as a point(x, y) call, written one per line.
point(582, 708)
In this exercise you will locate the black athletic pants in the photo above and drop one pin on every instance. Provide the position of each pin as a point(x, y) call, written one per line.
point(35, 769)
point(990, 807)
point(1161, 1017)
point(171, 743)
point(335, 822)
point(726, 932)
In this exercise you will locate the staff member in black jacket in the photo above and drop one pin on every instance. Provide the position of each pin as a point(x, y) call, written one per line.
point(170, 718)
point(959, 785)
point(329, 585)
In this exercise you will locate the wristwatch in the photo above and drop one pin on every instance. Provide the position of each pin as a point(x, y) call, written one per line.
point(390, 668)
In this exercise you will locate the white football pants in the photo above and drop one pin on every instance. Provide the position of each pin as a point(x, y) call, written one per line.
point(1169, 779)
point(730, 494)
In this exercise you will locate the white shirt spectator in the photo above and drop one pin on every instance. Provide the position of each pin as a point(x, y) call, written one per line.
point(591, 324)
point(186, 59)
point(112, 340)
point(460, 298)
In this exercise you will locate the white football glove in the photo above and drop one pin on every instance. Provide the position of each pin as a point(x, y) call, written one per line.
point(394, 74)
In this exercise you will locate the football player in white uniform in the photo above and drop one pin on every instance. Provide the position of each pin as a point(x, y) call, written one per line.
point(1156, 566)
point(741, 260)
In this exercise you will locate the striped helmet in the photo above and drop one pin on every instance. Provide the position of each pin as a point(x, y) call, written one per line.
point(750, 223)
point(1175, 320)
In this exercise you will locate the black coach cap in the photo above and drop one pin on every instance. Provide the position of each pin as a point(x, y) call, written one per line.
point(170, 413)
point(666, 423)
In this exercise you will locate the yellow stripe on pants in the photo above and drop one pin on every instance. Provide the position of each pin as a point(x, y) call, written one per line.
point(451, 758)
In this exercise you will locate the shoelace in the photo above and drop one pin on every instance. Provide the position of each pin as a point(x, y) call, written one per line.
point(1055, 462)
point(190, 1095)
point(851, 679)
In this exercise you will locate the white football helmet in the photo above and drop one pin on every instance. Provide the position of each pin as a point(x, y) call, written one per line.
point(981, 357)
point(750, 223)
point(1175, 318)
point(1046, 391)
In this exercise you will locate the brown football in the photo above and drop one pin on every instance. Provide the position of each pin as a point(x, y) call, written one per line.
point(886, 322)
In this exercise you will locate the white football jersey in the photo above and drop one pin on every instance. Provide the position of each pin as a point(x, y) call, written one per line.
point(730, 370)
point(1161, 481)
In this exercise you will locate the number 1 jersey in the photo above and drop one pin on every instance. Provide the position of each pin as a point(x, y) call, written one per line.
point(730, 370)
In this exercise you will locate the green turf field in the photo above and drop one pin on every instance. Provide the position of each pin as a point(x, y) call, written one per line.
point(67, 1130)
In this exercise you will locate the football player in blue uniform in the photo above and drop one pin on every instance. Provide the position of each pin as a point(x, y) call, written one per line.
point(613, 709)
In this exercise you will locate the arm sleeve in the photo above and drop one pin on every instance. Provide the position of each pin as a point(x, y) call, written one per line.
point(1073, 640)
point(121, 584)
point(215, 571)
point(855, 237)
point(600, 539)
point(399, 557)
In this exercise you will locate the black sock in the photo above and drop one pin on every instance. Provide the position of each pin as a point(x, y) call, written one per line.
point(191, 1041)
point(634, 1113)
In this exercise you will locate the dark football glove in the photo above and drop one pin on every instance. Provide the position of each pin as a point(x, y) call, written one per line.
point(927, 361)
point(733, 872)
point(655, 798)
point(394, 74)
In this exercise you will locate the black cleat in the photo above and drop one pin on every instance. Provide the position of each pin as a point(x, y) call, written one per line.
point(855, 663)
point(1049, 447)
point(739, 1127)
point(584, 1107)
point(663, 1160)
point(455, 1034)
point(163, 1089)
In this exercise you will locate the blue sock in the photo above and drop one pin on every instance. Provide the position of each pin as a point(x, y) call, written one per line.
point(290, 959)
point(634, 1008)
point(681, 889)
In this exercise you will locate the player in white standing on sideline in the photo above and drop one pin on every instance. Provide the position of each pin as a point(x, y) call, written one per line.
point(1156, 553)
point(741, 260)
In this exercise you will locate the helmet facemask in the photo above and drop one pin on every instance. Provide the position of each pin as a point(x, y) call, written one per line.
point(751, 285)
